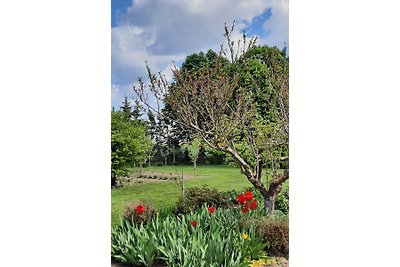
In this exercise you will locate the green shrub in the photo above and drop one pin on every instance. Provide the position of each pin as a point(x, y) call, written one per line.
point(282, 201)
point(134, 212)
point(196, 197)
point(216, 240)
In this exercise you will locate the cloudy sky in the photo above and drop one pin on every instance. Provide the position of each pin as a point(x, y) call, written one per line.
point(165, 31)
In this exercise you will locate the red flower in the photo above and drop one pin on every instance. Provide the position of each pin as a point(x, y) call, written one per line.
point(241, 199)
point(253, 205)
point(211, 209)
point(194, 223)
point(246, 205)
point(139, 209)
point(244, 210)
point(248, 196)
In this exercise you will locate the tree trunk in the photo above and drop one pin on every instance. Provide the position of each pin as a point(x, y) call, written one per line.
point(254, 177)
point(194, 165)
point(274, 188)
point(113, 180)
point(269, 204)
point(173, 156)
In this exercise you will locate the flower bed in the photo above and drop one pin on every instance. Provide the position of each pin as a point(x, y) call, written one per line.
point(210, 236)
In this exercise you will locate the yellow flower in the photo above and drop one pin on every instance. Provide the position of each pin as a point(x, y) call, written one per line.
point(245, 236)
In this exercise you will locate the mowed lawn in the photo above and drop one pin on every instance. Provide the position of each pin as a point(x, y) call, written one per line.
point(164, 195)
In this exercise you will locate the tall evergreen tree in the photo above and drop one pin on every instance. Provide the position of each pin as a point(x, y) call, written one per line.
point(126, 107)
point(137, 111)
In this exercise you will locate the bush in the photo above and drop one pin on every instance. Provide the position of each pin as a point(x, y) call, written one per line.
point(196, 197)
point(282, 201)
point(139, 212)
point(275, 233)
point(194, 239)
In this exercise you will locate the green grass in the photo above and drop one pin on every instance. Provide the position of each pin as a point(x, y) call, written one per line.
point(164, 195)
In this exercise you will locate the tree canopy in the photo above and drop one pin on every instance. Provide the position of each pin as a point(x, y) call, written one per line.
point(129, 144)
point(237, 105)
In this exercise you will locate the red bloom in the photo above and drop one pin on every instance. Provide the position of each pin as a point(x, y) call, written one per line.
point(211, 209)
point(139, 209)
point(246, 205)
point(241, 199)
point(194, 223)
point(248, 196)
point(244, 210)
point(253, 205)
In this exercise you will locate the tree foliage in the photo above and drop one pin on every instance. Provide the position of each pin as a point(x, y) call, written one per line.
point(193, 149)
point(129, 144)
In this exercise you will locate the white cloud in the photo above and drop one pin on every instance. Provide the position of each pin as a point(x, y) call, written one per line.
point(161, 31)
point(278, 24)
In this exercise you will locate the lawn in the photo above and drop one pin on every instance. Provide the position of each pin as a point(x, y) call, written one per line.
point(165, 194)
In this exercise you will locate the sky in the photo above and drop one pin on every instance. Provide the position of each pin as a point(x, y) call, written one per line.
point(164, 32)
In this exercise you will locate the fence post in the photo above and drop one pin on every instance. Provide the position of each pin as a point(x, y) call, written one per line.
point(183, 186)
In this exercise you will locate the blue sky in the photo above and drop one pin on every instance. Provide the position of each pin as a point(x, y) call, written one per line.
point(165, 31)
point(118, 7)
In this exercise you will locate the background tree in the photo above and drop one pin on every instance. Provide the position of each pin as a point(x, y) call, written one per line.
point(129, 144)
point(126, 107)
point(159, 131)
point(137, 111)
point(193, 149)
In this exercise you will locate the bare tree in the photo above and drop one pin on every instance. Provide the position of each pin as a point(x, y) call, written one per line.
point(212, 106)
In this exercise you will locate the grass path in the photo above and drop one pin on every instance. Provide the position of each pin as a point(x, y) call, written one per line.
point(164, 195)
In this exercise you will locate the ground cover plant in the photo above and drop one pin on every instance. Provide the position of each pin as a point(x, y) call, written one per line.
point(208, 237)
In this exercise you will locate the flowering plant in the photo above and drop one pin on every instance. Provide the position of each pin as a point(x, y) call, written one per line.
point(139, 212)
point(139, 208)
point(247, 201)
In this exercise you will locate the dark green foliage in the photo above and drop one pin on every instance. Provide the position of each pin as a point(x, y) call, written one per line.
point(196, 197)
point(195, 62)
point(256, 70)
point(137, 111)
point(282, 201)
point(214, 156)
point(126, 107)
